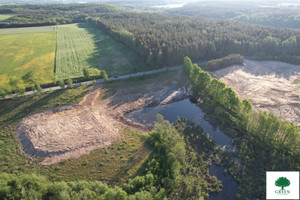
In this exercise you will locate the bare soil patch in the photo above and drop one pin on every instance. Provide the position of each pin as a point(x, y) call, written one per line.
point(269, 85)
point(97, 121)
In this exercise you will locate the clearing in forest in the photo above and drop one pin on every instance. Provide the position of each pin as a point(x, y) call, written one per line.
point(22, 53)
point(83, 45)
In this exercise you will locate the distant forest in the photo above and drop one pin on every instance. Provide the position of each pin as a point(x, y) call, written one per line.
point(286, 17)
point(164, 40)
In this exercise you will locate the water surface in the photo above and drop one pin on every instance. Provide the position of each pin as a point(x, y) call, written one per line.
point(183, 109)
point(186, 109)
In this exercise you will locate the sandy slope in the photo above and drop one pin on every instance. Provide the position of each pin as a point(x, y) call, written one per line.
point(269, 85)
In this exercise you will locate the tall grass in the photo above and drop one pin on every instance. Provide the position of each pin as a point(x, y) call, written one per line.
point(22, 53)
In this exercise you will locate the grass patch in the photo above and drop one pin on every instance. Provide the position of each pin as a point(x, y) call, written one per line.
point(296, 81)
point(22, 53)
point(39, 29)
point(13, 110)
point(5, 17)
point(115, 164)
point(83, 45)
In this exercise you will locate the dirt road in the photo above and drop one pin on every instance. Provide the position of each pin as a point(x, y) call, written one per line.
point(269, 85)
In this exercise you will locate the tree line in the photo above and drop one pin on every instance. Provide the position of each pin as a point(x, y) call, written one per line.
point(265, 142)
point(287, 17)
point(232, 59)
point(51, 14)
point(29, 82)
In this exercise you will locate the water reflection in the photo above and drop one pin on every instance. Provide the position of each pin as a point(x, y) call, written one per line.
point(183, 109)
point(186, 109)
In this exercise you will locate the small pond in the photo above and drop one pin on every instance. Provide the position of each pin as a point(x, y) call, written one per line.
point(187, 109)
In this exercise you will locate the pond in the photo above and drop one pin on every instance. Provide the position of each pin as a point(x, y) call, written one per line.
point(187, 109)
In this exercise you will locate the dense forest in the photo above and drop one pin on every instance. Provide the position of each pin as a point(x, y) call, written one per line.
point(264, 141)
point(286, 17)
point(52, 14)
point(164, 40)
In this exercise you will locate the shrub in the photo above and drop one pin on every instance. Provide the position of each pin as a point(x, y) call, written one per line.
point(61, 83)
point(70, 83)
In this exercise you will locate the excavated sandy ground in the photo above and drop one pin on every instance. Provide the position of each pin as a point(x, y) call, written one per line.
point(70, 131)
point(269, 85)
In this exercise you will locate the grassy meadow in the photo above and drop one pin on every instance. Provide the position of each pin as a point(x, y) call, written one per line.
point(22, 53)
point(39, 29)
point(61, 52)
point(82, 45)
point(5, 17)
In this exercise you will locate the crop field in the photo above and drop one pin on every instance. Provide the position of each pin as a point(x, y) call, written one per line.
point(82, 45)
point(5, 17)
point(39, 29)
point(22, 53)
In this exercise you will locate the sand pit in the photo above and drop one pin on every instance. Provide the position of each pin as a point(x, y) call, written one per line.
point(269, 85)
point(71, 131)
point(67, 131)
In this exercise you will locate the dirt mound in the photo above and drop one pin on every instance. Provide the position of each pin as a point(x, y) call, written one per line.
point(269, 85)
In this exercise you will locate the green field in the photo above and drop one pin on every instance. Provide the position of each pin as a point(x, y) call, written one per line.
point(39, 29)
point(22, 53)
point(60, 52)
point(82, 45)
point(5, 17)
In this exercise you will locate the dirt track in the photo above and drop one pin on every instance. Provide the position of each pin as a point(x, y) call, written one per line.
point(70, 131)
point(269, 85)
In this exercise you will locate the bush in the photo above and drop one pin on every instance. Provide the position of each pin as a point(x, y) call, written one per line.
point(70, 83)
point(3, 92)
point(38, 87)
point(97, 72)
point(232, 59)
point(104, 76)
point(86, 73)
point(61, 83)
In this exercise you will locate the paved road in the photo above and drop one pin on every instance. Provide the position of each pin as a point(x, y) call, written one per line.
point(100, 80)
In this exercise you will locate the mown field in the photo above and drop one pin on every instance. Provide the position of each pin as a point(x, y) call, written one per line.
point(39, 29)
point(82, 45)
point(22, 53)
point(5, 17)
point(61, 52)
